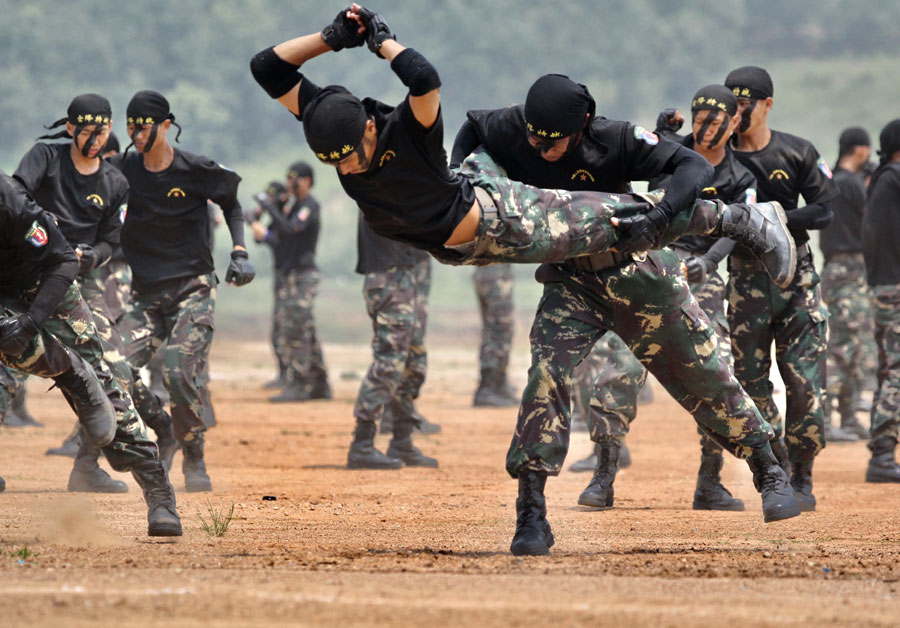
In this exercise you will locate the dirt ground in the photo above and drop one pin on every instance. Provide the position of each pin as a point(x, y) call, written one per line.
point(430, 547)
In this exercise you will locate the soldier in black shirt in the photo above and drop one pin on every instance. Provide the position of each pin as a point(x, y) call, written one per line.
point(642, 297)
point(880, 235)
point(793, 317)
point(89, 198)
point(166, 242)
point(844, 290)
point(46, 329)
point(293, 233)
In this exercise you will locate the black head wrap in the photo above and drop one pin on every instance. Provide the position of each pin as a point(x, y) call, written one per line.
point(334, 122)
point(715, 98)
point(84, 110)
point(751, 82)
point(275, 189)
point(149, 107)
point(852, 137)
point(889, 139)
point(557, 106)
point(299, 169)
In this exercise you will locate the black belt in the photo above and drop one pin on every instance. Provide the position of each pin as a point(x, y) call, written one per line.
point(486, 202)
point(597, 261)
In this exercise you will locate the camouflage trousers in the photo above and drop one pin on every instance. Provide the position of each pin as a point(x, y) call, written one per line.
point(760, 313)
point(618, 376)
point(396, 301)
point(649, 305)
point(117, 288)
point(886, 407)
point(294, 329)
point(851, 331)
point(494, 287)
point(179, 313)
point(533, 225)
point(11, 382)
point(71, 325)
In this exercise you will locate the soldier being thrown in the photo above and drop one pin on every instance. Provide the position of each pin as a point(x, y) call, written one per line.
point(391, 161)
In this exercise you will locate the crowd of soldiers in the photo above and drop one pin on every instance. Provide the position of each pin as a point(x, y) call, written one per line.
point(108, 262)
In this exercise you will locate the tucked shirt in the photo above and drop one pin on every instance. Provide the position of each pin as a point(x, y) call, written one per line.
point(293, 236)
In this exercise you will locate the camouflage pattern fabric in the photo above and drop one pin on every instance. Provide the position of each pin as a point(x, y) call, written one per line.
point(535, 225)
point(494, 287)
point(180, 313)
point(886, 406)
point(794, 318)
point(296, 341)
point(649, 305)
point(11, 381)
point(277, 337)
point(117, 287)
point(851, 330)
point(396, 301)
point(71, 325)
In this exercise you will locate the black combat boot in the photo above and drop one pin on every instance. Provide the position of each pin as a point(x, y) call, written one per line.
point(161, 424)
point(801, 482)
point(295, 391)
point(320, 388)
point(710, 494)
point(18, 413)
point(624, 456)
point(493, 391)
point(763, 229)
point(771, 482)
point(882, 466)
point(84, 393)
point(70, 445)
point(599, 493)
point(533, 536)
point(162, 518)
point(402, 447)
point(88, 477)
point(405, 406)
point(363, 455)
point(781, 454)
point(196, 480)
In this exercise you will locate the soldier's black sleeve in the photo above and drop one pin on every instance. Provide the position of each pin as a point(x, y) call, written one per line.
point(33, 166)
point(817, 188)
point(690, 174)
point(222, 187)
point(110, 227)
point(467, 140)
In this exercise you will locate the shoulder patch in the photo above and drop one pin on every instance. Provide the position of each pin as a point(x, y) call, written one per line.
point(640, 133)
point(37, 235)
point(123, 211)
point(750, 196)
point(824, 167)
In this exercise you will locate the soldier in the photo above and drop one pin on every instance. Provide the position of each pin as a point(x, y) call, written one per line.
point(89, 199)
point(166, 242)
point(46, 329)
point(844, 289)
point(391, 161)
point(793, 317)
point(396, 287)
point(880, 231)
point(293, 233)
point(494, 286)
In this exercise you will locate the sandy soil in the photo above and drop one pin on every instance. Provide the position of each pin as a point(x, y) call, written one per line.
point(420, 546)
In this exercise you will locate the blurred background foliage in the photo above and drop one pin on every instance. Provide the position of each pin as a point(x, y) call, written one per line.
point(834, 64)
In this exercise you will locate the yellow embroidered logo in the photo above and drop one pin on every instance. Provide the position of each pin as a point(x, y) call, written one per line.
point(779, 175)
point(542, 132)
point(582, 175)
point(95, 199)
point(710, 191)
point(386, 157)
point(176, 193)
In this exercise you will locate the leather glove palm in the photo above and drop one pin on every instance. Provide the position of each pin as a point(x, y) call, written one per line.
point(377, 30)
point(343, 32)
point(696, 269)
point(641, 232)
point(240, 271)
point(16, 333)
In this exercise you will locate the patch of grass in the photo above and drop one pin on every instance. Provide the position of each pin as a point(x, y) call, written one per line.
point(23, 554)
point(219, 520)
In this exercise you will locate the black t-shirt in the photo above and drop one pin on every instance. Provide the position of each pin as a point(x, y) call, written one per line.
point(408, 194)
point(376, 254)
point(881, 227)
point(166, 230)
point(89, 208)
point(787, 167)
point(30, 242)
point(293, 236)
point(610, 156)
point(731, 183)
point(843, 234)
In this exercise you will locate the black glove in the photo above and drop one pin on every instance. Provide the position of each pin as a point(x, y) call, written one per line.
point(343, 32)
point(696, 269)
point(641, 232)
point(664, 121)
point(377, 30)
point(89, 258)
point(16, 333)
point(240, 271)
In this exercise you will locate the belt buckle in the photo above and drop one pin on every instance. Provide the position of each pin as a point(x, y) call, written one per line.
point(639, 256)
